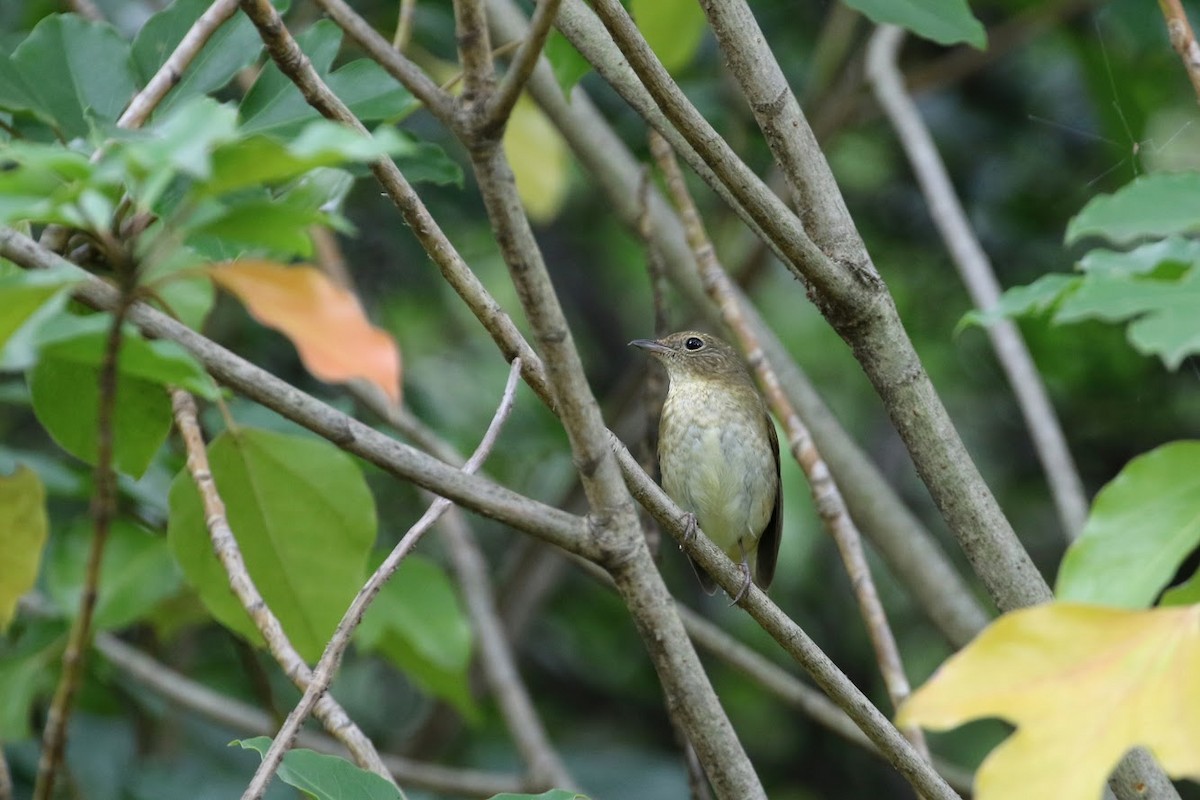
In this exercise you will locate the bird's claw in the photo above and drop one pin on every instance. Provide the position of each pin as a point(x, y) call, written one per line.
point(745, 584)
point(689, 527)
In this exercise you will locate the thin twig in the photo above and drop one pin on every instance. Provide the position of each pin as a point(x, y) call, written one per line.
point(976, 271)
point(331, 658)
point(501, 103)
point(171, 72)
point(474, 55)
point(103, 509)
point(1183, 40)
point(248, 720)
point(826, 496)
point(404, 25)
point(225, 546)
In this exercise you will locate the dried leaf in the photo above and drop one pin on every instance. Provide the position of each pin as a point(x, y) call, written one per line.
point(1083, 684)
point(325, 322)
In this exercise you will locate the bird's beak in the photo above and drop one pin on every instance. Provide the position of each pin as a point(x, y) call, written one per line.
point(651, 345)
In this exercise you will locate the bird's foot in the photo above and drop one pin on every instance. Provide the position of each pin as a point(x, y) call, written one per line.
point(745, 584)
point(690, 527)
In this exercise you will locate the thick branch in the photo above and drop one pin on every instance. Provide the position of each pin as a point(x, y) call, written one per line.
point(979, 277)
point(501, 103)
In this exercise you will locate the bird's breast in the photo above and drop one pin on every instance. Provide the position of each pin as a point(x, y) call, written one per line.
point(717, 461)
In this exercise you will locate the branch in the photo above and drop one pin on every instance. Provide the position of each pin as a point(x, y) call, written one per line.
point(404, 25)
point(171, 72)
point(225, 546)
point(826, 497)
point(497, 661)
point(474, 54)
point(856, 303)
point(548, 523)
point(331, 658)
point(103, 509)
point(246, 719)
point(501, 103)
point(979, 277)
point(909, 550)
point(1183, 40)
point(791, 637)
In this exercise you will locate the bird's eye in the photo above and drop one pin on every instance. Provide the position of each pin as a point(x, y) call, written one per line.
point(694, 343)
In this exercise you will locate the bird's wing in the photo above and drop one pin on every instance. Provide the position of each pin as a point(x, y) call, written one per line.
point(768, 542)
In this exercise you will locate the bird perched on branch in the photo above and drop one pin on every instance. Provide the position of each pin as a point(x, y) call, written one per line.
point(718, 452)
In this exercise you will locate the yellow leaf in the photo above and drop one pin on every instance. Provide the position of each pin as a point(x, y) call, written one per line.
point(325, 322)
point(1083, 684)
point(539, 161)
point(23, 529)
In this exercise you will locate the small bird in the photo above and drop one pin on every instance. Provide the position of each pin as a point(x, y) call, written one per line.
point(718, 452)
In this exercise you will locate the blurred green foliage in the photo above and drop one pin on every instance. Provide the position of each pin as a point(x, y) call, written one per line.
point(1030, 133)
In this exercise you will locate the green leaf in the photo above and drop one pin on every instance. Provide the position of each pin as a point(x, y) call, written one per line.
point(274, 104)
point(553, 794)
point(184, 295)
point(66, 399)
point(257, 223)
point(47, 183)
point(305, 522)
point(1159, 204)
point(673, 29)
point(324, 777)
point(136, 574)
point(15, 95)
point(232, 47)
point(260, 160)
point(418, 623)
point(1173, 251)
point(1143, 524)
point(1163, 312)
point(23, 529)
point(28, 670)
point(941, 21)
point(568, 64)
point(75, 69)
point(23, 295)
point(81, 340)
point(1035, 298)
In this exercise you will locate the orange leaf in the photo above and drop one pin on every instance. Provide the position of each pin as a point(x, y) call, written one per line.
point(325, 322)
point(1083, 684)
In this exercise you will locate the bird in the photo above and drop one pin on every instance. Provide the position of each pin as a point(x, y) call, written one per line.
point(718, 452)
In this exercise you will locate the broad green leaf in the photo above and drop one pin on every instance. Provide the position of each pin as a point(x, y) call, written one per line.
point(75, 69)
point(324, 777)
point(1173, 251)
point(568, 64)
point(672, 28)
point(1144, 522)
point(1158, 204)
point(28, 670)
point(260, 160)
point(180, 142)
point(66, 401)
point(324, 321)
point(15, 95)
point(81, 340)
point(418, 623)
point(23, 529)
point(49, 183)
point(1161, 313)
point(274, 104)
point(553, 794)
point(280, 227)
point(232, 47)
point(305, 523)
point(1082, 684)
point(137, 572)
point(941, 21)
